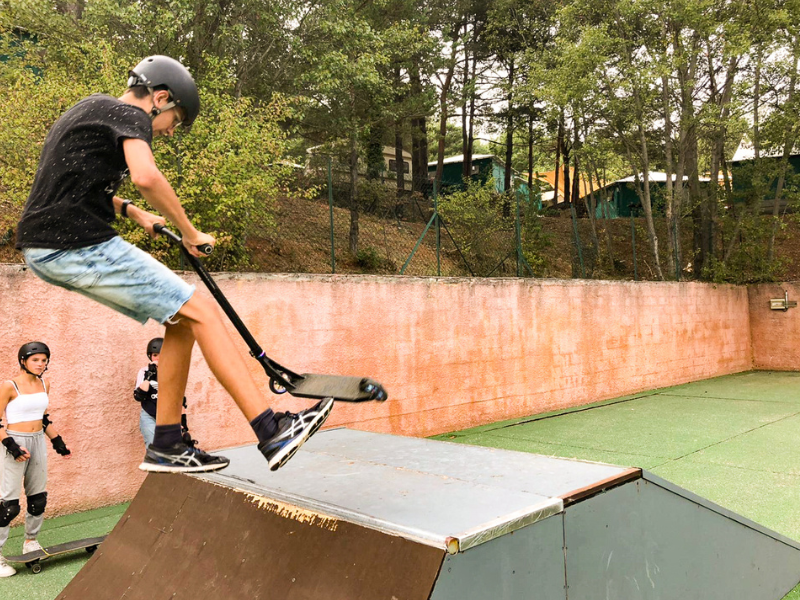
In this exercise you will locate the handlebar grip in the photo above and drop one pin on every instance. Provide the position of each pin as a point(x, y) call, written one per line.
point(162, 230)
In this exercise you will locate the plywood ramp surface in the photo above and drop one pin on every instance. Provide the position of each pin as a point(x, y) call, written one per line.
point(185, 538)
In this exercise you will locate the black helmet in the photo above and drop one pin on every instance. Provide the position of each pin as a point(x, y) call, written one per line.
point(31, 348)
point(154, 346)
point(163, 72)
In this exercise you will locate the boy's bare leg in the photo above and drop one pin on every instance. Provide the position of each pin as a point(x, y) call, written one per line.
point(176, 356)
point(200, 320)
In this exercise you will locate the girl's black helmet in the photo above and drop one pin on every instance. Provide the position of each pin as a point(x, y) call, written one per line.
point(31, 348)
point(154, 346)
point(163, 72)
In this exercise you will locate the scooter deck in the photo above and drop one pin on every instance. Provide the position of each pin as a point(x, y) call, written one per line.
point(339, 387)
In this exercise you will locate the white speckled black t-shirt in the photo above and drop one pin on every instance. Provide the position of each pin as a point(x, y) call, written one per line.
point(81, 167)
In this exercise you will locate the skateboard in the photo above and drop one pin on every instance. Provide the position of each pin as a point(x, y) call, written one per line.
point(33, 560)
point(281, 379)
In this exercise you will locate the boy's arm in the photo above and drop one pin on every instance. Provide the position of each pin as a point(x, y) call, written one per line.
point(159, 193)
point(145, 219)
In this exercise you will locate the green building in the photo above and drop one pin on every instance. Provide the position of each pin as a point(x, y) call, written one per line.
point(484, 167)
point(623, 199)
point(744, 174)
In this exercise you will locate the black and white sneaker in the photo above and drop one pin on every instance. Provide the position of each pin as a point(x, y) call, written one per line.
point(293, 431)
point(181, 458)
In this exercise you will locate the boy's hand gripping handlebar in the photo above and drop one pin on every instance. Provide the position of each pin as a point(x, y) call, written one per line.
point(161, 229)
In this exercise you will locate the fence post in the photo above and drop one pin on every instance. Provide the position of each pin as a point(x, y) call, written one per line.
point(633, 241)
point(330, 208)
point(677, 257)
point(518, 233)
point(577, 237)
point(438, 231)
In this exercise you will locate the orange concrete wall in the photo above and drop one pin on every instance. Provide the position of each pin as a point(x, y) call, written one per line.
point(452, 353)
point(775, 333)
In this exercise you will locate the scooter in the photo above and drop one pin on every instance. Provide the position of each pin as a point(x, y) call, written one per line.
point(281, 380)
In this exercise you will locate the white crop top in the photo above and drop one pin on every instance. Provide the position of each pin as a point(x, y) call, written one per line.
point(26, 407)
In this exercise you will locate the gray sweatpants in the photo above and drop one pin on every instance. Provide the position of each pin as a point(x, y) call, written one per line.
point(32, 473)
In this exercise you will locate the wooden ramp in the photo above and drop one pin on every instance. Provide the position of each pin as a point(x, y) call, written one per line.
point(358, 515)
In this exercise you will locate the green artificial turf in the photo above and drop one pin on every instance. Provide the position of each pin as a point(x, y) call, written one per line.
point(733, 440)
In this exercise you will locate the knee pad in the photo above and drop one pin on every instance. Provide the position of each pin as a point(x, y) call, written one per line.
point(8, 510)
point(36, 504)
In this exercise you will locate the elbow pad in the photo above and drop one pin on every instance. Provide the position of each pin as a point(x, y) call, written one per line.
point(139, 395)
point(46, 422)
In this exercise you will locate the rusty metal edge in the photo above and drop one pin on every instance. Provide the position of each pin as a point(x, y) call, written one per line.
point(601, 486)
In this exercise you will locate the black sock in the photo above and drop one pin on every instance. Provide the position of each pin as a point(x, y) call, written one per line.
point(265, 425)
point(167, 436)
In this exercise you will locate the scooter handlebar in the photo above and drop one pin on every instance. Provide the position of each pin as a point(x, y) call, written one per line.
point(162, 230)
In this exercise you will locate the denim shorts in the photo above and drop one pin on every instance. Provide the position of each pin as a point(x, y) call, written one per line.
point(117, 274)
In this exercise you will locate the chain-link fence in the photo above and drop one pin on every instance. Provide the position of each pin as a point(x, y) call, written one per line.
point(312, 229)
point(391, 232)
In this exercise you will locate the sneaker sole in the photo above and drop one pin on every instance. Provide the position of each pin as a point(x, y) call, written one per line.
point(151, 468)
point(288, 452)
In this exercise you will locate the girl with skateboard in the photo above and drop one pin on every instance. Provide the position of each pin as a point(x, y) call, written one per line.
point(66, 236)
point(24, 401)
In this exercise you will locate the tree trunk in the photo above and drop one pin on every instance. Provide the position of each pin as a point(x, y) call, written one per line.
point(507, 185)
point(669, 209)
point(687, 142)
point(419, 139)
point(530, 155)
point(735, 236)
point(443, 118)
point(398, 148)
point(576, 191)
point(398, 158)
point(645, 198)
point(559, 137)
point(471, 132)
point(466, 165)
point(788, 145)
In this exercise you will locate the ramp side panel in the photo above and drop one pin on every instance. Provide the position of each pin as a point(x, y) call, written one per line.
point(642, 541)
point(527, 563)
point(185, 538)
point(668, 485)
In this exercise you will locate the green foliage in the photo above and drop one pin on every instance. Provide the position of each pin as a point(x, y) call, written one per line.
point(36, 90)
point(536, 242)
point(749, 263)
point(369, 259)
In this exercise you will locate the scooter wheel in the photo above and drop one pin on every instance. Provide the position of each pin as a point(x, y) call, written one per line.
point(277, 388)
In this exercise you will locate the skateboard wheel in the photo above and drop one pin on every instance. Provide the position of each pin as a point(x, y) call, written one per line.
point(36, 568)
point(91, 549)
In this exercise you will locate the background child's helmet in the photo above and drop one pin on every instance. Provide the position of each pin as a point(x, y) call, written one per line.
point(154, 346)
point(163, 72)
